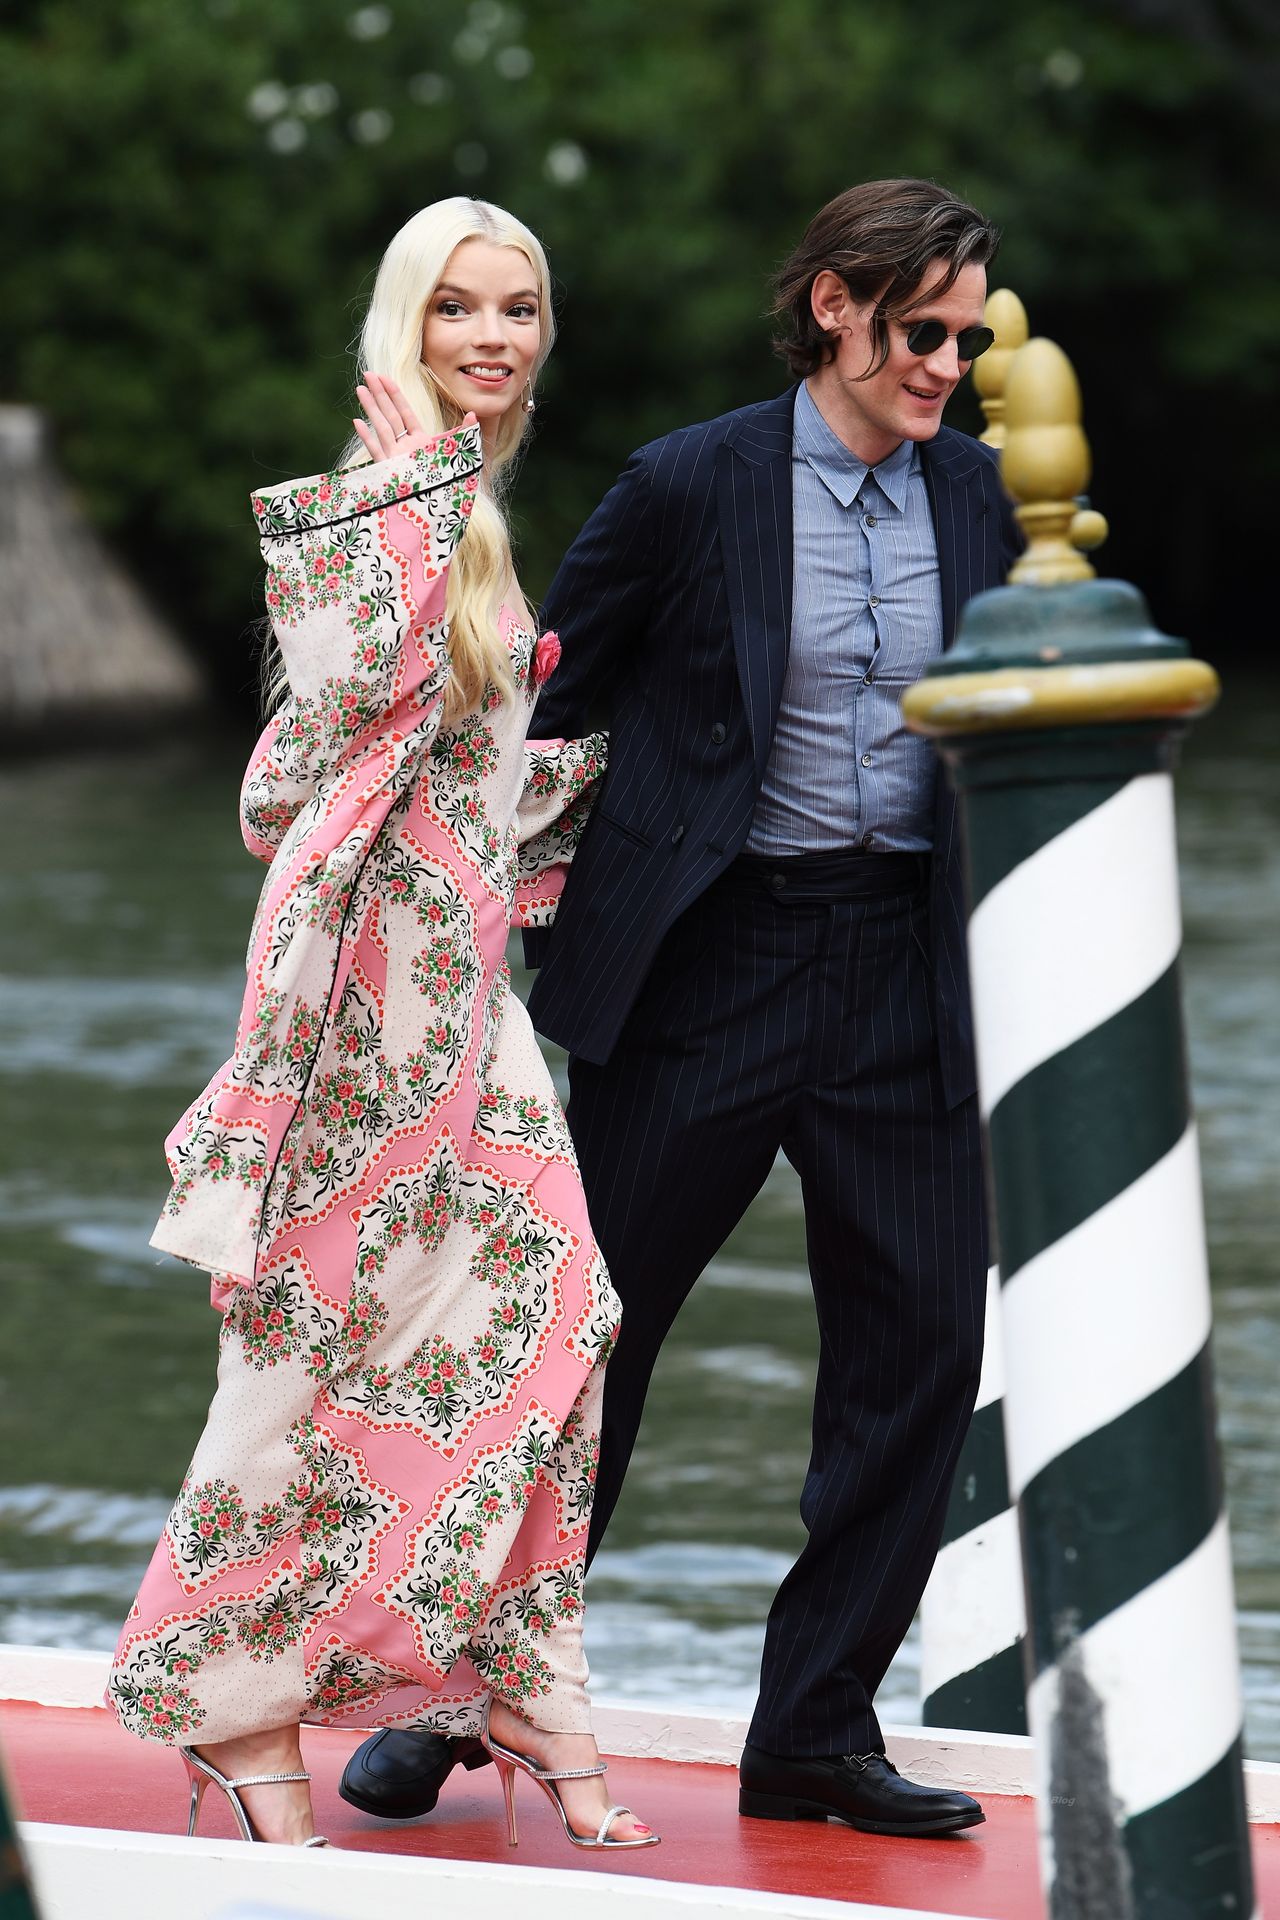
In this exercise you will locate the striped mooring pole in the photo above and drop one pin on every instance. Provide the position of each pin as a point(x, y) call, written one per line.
point(1058, 712)
point(972, 1621)
point(971, 1617)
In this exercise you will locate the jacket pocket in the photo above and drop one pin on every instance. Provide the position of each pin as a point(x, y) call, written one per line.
point(623, 829)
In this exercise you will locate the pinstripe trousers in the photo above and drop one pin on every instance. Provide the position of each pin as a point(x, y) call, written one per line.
point(792, 1007)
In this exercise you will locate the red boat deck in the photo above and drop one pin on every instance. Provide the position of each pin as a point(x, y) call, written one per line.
point(76, 1766)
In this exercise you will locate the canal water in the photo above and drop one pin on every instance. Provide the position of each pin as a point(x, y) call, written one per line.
point(125, 899)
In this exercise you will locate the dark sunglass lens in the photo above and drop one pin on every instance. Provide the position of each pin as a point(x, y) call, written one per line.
point(926, 336)
point(973, 341)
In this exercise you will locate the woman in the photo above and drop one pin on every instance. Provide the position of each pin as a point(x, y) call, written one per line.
point(385, 1518)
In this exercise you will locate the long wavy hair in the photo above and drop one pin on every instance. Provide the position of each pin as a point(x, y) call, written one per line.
point(390, 343)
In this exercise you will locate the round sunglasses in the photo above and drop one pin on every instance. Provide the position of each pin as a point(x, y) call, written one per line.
point(926, 336)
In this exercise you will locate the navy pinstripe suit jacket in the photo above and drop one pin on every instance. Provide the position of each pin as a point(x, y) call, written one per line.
point(673, 607)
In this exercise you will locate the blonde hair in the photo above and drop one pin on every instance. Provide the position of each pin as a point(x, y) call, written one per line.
point(390, 343)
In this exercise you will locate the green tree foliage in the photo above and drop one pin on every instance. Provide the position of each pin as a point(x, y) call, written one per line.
point(197, 197)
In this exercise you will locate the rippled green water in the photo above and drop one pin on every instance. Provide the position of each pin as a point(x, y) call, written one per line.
point(125, 899)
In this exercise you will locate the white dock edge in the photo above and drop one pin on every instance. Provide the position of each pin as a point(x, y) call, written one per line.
point(82, 1873)
point(940, 1756)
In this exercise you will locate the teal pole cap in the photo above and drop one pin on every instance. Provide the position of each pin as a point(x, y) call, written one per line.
point(1090, 622)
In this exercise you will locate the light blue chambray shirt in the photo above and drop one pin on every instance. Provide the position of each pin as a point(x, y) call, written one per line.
point(866, 619)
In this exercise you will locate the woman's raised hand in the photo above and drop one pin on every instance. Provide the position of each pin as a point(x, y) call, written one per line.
point(391, 428)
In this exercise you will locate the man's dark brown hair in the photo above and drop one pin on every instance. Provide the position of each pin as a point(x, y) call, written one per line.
point(881, 239)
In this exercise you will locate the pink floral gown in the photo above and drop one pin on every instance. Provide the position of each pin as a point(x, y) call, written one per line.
point(386, 1513)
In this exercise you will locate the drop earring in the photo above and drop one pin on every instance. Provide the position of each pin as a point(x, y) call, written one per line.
point(528, 402)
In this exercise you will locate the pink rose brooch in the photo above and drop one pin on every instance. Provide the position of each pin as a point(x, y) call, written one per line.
point(546, 658)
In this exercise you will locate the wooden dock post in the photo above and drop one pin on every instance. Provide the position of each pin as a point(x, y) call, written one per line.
point(82, 655)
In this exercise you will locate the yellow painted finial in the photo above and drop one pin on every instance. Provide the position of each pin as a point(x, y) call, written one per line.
point(1045, 463)
point(1006, 316)
point(1088, 529)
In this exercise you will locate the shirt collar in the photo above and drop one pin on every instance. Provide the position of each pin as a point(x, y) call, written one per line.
point(840, 470)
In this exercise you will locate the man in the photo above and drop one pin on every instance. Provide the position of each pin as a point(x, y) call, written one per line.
point(761, 944)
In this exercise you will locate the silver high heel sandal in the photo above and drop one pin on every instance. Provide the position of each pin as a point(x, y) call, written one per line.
point(202, 1774)
point(509, 1763)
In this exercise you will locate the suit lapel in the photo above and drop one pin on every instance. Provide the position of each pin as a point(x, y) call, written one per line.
point(966, 532)
point(754, 504)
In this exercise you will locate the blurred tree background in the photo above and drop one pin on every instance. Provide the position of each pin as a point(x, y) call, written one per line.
point(196, 198)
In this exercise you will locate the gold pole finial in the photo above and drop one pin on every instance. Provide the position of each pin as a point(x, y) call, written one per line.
point(1045, 463)
point(1006, 316)
point(1088, 529)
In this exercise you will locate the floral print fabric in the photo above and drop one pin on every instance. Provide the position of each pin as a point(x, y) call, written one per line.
point(387, 1510)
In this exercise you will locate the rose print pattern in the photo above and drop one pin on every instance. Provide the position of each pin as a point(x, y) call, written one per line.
point(276, 1625)
point(325, 1169)
point(414, 1209)
point(522, 1121)
point(561, 780)
point(181, 1653)
point(446, 1385)
point(387, 1511)
point(445, 973)
point(324, 890)
point(465, 819)
point(574, 1475)
point(278, 1319)
point(437, 1207)
point(346, 1106)
point(407, 876)
point(207, 1524)
point(514, 1668)
point(593, 1333)
point(277, 1048)
point(212, 1153)
point(340, 1677)
point(491, 1022)
point(444, 1592)
point(331, 1511)
point(465, 756)
point(509, 1651)
point(156, 1709)
point(333, 497)
point(286, 1317)
point(431, 1069)
point(358, 1095)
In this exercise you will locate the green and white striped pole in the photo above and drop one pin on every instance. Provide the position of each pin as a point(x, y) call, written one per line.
point(972, 1619)
point(1058, 712)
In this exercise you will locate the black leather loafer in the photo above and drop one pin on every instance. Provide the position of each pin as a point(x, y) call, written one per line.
point(866, 1790)
point(399, 1772)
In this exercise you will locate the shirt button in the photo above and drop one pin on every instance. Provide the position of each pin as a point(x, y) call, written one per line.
point(867, 839)
point(867, 678)
point(866, 759)
point(870, 520)
point(718, 732)
point(874, 601)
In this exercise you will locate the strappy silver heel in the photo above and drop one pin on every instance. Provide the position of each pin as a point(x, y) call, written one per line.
point(202, 1774)
point(509, 1763)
